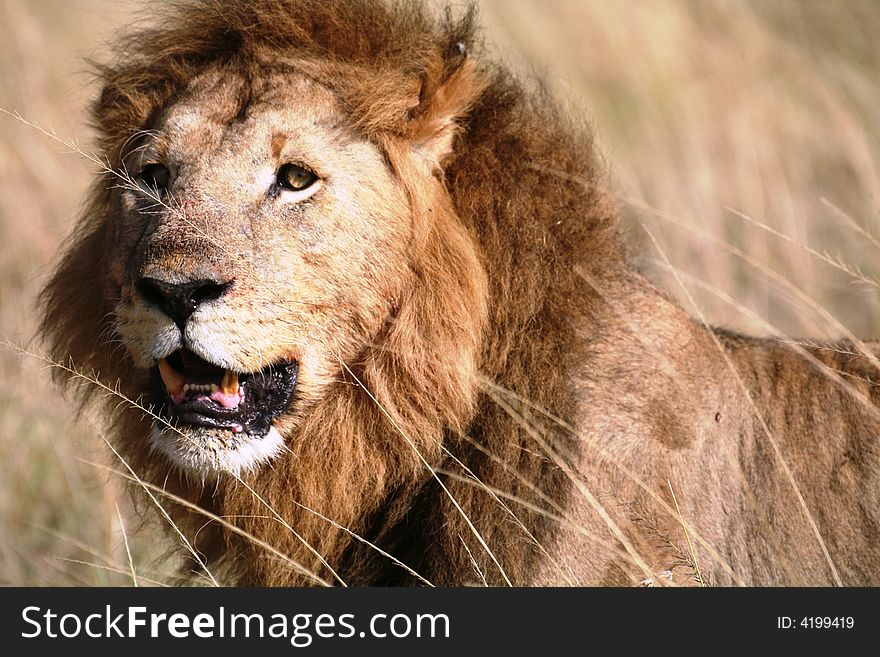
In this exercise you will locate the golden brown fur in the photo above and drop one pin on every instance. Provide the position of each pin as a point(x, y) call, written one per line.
point(514, 346)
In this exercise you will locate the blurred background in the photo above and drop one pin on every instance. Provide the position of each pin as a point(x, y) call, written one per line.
point(744, 136)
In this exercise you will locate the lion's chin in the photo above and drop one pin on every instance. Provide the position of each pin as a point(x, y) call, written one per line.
point(208, 453)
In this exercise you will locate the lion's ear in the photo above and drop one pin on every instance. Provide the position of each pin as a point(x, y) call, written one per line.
point(450, 87)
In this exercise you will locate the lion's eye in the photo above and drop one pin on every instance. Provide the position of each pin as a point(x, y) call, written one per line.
point(155, 177)
point(295, 177)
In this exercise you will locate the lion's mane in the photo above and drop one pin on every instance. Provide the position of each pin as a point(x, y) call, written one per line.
point(509, 231)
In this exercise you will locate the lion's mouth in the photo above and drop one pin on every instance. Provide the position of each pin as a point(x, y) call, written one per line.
point(190, 390)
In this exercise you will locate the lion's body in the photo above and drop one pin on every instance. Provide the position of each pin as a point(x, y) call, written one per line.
point(486, 390)
point(676, 418)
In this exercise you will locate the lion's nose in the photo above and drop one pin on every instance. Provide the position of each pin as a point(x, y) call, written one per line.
point(180, 300)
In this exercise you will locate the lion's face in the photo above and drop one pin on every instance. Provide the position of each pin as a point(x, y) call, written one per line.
point(262, 246)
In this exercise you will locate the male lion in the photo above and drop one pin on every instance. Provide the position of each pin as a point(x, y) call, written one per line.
point(371, 290)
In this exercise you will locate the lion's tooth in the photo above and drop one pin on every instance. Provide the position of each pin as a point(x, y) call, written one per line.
point(214, 387)
point(229, 385)
point(174, 381)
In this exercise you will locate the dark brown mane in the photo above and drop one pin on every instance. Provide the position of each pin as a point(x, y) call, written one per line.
point(524, 183)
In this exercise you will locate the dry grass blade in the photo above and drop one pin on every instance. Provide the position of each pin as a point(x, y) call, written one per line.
point(361, 539)
point(798, 346)
point(580, 486)
point(134, 578)
point(476, 480)
point(108, 564)
point(693, 555)
point(609, 458)
point(427, 465)
point(474, 563)
point(92, 379)
point(287, 526)
point(215, 518)
point(773, 275)
point(837, 263)
point(165, 514)
point(561, 519)
point(119, 571)
point(852, 223)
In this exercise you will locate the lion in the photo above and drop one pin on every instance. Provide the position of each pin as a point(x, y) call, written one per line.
point(365, 294)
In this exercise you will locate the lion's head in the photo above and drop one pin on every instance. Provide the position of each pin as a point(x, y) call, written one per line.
point(319, 233)
point(268, 250)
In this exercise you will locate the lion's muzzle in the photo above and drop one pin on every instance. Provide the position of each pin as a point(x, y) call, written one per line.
point(179, 300)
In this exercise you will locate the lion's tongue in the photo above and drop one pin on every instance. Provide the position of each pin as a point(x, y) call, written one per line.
point(227, 399)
